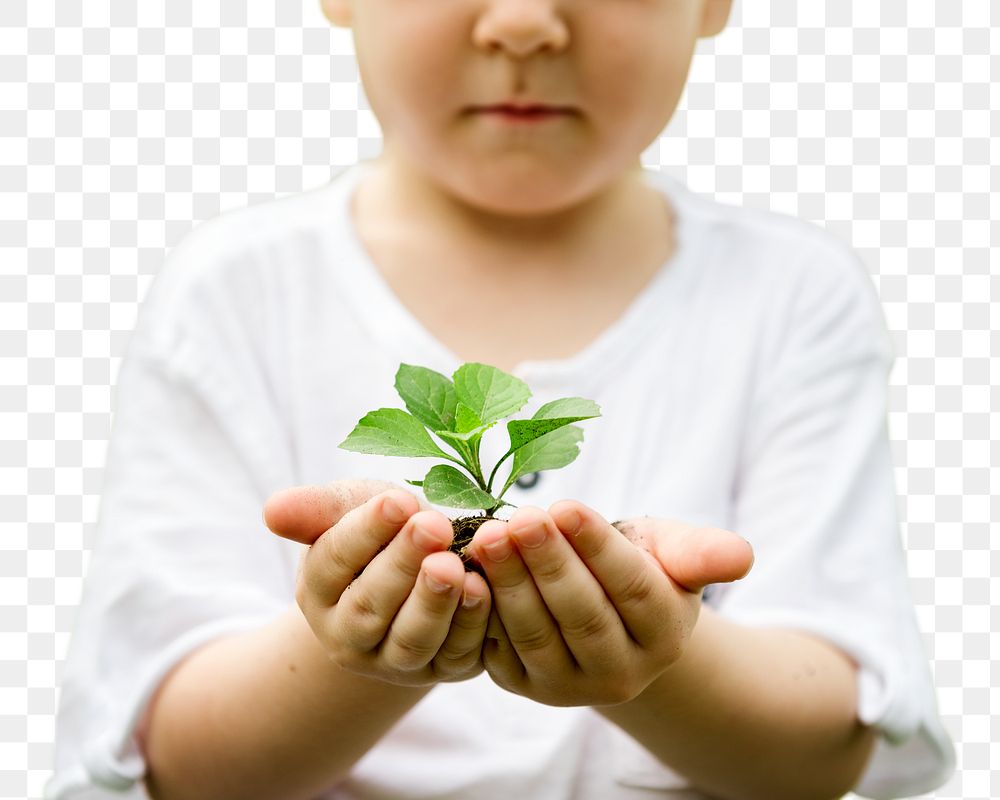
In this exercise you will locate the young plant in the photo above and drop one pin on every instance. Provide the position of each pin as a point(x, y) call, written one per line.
point(459, 411)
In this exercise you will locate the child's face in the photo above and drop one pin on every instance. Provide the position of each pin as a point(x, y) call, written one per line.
point(620, 65)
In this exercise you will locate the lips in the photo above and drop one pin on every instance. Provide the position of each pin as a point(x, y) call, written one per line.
point(535, 109)
point(526, 109)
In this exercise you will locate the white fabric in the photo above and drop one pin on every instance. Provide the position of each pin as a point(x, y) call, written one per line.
point(745, 388)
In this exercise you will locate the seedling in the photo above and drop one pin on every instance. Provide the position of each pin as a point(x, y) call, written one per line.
point(458, 411)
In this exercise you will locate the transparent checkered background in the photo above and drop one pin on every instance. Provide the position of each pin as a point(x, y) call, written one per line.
point(124, 124)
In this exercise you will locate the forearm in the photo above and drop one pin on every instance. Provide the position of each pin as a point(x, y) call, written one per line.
point(754, 713)
point(265, 714)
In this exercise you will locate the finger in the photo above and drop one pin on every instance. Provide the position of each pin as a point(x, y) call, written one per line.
point(462, 649)
point(337, 556)
point(367, 608)
point(587, 620)
point(500, 659)
point(632, 584)
point(424, 620)
point(694, 556)
point(304, 513)
point(530, 627)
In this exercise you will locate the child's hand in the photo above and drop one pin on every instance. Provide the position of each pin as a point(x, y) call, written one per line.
point(586, 616)
point(367, 592)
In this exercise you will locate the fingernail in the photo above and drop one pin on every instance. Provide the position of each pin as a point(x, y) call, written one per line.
point(498, 550)
point(435, 585)
point(393, 511)
point(468, 601)
point(425, 540)
point(572, 523)
point(530, 535)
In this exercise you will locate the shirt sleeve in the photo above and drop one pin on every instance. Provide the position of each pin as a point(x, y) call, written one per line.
point(815, 496)
point(182, 555)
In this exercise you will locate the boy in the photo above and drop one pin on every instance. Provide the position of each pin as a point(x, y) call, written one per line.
point(740, 360)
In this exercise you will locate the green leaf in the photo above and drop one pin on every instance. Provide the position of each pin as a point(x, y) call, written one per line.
point(391, 432)
point(579, 407)
point(553, 450)
point(446, 486)
point(414, 483)
point(428, 395)
point(469, 437)
point(469, 429)
point(465, 419)
point(549, 417)
point(489, 392)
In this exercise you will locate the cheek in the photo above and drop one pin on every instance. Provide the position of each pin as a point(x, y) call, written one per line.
point(638, 77)
point(412, 65)
point(639, 51)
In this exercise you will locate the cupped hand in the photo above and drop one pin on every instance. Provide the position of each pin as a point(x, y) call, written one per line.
point(583, 615)
point(378, 586)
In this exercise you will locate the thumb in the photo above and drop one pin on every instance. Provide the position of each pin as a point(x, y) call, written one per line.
point(304, 513)
point(695, 557)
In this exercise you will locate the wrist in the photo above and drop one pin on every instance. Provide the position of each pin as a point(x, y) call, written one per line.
point(306, 651)
point(243, 716)
point(742, 702)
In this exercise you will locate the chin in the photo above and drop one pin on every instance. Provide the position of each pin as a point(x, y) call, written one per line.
point(519, 196)
point(517, 207)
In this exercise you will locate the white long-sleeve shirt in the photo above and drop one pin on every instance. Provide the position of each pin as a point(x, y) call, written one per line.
point(745, 388)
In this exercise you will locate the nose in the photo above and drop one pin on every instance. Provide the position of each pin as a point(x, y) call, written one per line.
point(521, 27)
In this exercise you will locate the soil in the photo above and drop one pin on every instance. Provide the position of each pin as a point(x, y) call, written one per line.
point(464, 529)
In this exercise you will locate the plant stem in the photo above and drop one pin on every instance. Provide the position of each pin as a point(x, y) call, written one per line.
point(466, 460)
point(478, 468)
point(471, 456)
point(506, 487)
point(458, 461)
point(508, 454)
